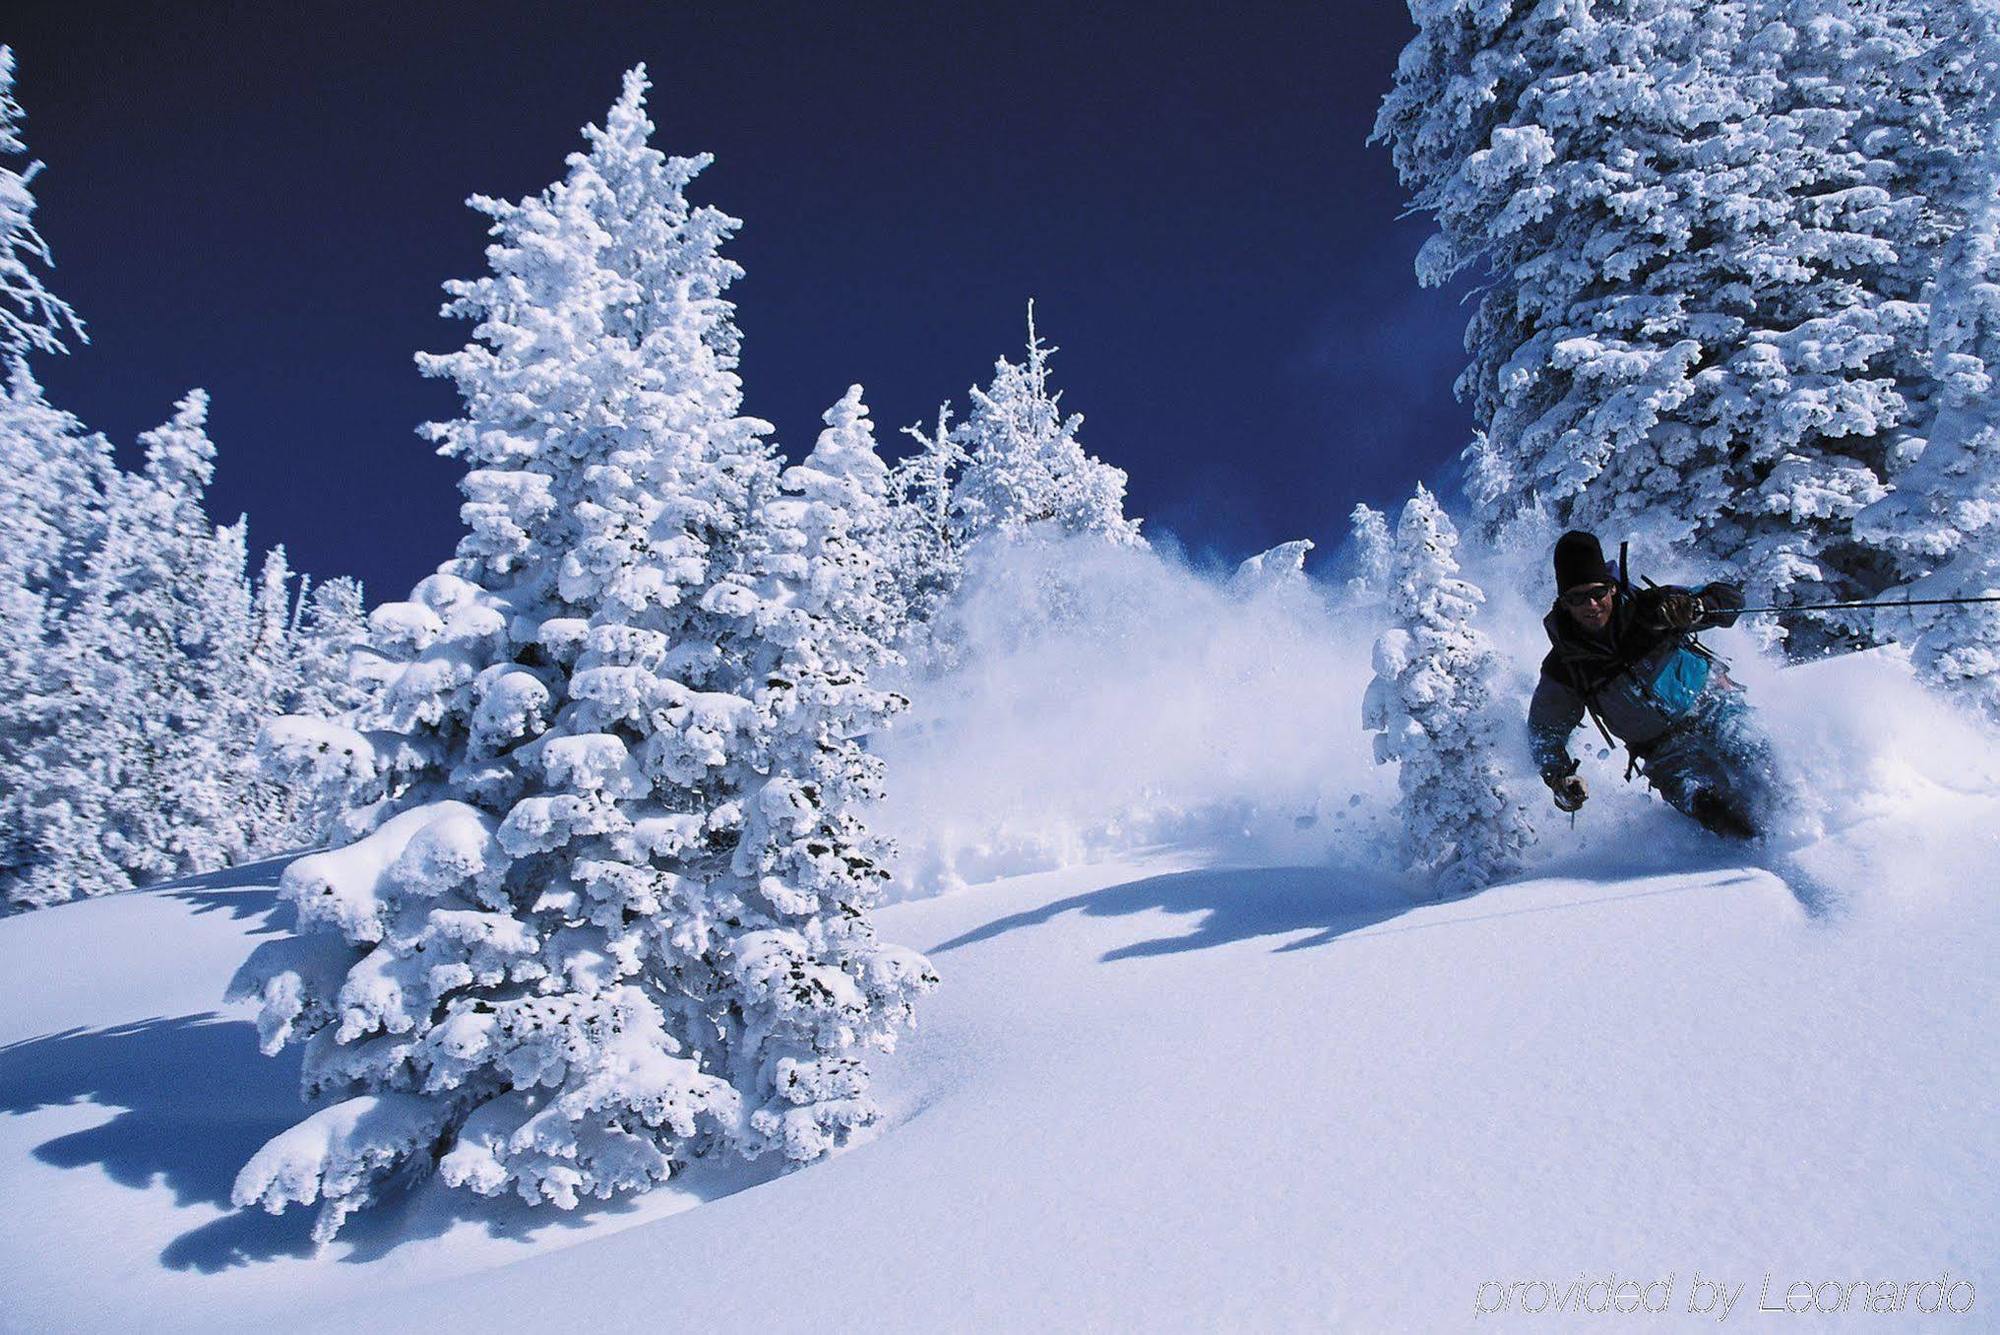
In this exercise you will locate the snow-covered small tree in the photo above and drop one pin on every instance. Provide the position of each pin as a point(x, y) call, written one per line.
point(211, 804)
point(926, 560)
point(332, 620)
point(1025, 468)
point(606, 914)
point(1372, 544)
point(1708, 233)
point(309, 751)
point(846, 529)
point(31, 317)
point(1434, 710)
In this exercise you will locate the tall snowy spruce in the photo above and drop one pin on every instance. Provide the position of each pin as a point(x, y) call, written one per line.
point(612, 911)
point(99, 788)
point(1706, 235)
point(53, 477)
point(1943, 518)
point(1433, 708)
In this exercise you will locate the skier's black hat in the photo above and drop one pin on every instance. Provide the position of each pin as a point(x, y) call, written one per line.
point(1580, 560)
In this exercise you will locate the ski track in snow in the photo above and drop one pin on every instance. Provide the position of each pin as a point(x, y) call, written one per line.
point(1149, 1095)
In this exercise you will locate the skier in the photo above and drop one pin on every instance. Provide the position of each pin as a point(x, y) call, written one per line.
point(1628, 657)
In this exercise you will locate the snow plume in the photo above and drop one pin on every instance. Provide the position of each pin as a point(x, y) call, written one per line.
point(1114, 701)
point(1111, 699)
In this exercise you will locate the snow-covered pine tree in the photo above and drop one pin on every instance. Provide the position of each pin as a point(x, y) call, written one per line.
point(1943, 518)
point(815, 989)
point(332, 621)
point(1369, 532)
point(927, 561)
point(1706, 233)
point(53, 481)
point(206, 790)
point(53, 477)
point(96, 787)
point(1433, 708)
point(278, 812)
point(310, 753)
point(31, 317)
point(1025, 469)
point(273, 615)
point(603, 921)
point(847, 529)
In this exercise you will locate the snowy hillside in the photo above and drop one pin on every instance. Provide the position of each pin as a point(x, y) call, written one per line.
point(1148, 1095)
point(778, 888)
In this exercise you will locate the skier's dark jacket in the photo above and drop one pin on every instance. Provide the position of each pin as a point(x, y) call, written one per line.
point(1639, 679)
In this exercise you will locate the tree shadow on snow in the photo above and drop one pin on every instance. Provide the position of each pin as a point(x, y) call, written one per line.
point(1325, 903)
point(192, 1099)
point(246, 892)
point(1236, 905)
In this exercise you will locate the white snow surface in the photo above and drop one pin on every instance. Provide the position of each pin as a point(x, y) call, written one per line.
point(1150, 1095)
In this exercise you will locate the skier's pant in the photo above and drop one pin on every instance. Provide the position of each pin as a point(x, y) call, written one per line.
point(1717, 767)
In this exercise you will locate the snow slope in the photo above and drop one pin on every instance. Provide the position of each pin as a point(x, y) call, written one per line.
point(1148, 1096)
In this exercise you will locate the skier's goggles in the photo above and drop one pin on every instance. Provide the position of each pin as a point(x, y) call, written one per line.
point(1588, 594)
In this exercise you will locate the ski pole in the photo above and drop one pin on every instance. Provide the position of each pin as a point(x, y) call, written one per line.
point(1833, 607)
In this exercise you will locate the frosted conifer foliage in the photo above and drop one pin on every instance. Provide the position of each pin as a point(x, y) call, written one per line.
point(96, 791)
point(1025, 466)
point(843, 522)
point(1433, 708)
point(579, 943)
point(1707, 232)
point(31, 317)
point(1372, 546)
point(1944, 516)
point(53, 481)
point(927, 556)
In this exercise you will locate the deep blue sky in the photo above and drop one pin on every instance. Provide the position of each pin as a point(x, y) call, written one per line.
point(262, 199)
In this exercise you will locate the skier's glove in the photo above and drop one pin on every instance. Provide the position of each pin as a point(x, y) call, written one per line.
point(1568, 790)
point(1679, 611)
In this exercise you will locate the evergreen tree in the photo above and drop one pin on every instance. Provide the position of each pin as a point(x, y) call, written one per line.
point(842, 521)
point(1372, 546)
point(205, 795)
point(95, 790)
point(31, 317)
point(1025, 469)
point(54, 476)
point(928, 561)
point(1707, 233)
point(311, 754)
point(53, 480)
point(1943, 519)
point(1434, 710)
point(612, 909)
point(331, 622)
point(271, 811)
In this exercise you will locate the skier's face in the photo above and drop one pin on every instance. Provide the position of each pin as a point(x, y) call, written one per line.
point(1590, 604)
